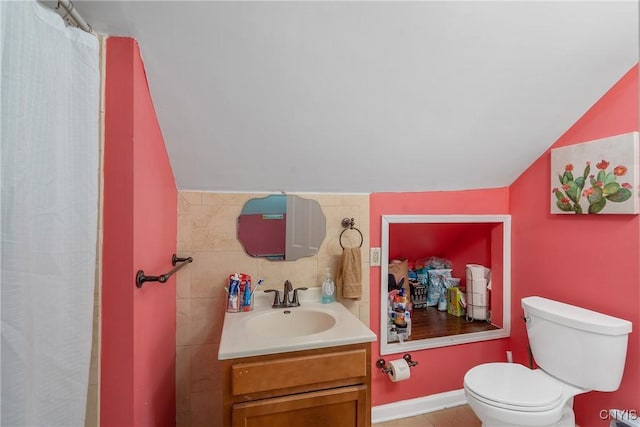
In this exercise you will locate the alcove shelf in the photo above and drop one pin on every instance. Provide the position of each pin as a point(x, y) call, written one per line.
point(463, 239)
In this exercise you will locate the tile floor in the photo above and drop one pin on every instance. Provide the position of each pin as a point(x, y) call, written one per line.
point(459, 416)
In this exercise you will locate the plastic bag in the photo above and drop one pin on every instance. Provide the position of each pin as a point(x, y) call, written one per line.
point(437, 285)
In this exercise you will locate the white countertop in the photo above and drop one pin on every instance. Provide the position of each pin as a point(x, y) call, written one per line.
point(239, 341)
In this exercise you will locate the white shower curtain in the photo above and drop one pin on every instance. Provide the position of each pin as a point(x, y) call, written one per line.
point(49, 149)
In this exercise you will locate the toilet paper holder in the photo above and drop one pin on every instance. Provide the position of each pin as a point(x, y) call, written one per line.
point(382, 364)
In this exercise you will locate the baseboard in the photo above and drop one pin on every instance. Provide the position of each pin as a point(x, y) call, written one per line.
point(418, 406)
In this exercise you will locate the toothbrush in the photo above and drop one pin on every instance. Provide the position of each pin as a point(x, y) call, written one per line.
point(256, 287)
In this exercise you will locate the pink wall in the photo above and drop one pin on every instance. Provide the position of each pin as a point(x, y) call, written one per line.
point(590, 261)
point(140, 228)
point(440, 369)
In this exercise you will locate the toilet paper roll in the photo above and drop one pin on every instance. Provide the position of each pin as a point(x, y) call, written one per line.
point(477, 271)
point(477, 298)
point(477, 285)
point(400, 370)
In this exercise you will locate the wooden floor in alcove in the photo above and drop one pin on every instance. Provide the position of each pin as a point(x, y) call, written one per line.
point(428, 322)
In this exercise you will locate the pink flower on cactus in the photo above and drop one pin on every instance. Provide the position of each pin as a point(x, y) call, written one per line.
point(626, 185)
point(602, 164)
point(587, 192)
point(565, 200)
point(555, 190)
point(568, 167)
point(598, 184)
point(619, 170)
point(565, 187)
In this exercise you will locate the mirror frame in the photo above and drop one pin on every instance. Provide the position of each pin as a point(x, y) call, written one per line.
point(426, 343)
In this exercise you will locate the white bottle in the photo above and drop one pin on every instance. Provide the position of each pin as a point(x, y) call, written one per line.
point(328, 288)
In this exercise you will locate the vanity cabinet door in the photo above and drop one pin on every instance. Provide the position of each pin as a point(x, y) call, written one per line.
point(337, 407)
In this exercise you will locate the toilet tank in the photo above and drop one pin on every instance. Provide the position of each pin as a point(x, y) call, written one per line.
point(581, 347)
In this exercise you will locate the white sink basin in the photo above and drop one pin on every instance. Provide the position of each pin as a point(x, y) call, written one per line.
point(292, 322)
point(268, 330)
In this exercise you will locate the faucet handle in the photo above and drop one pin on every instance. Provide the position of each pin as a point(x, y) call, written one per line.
point(296, 302)
point(276, 298)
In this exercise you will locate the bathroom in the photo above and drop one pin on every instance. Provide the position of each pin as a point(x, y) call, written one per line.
point(174, 331)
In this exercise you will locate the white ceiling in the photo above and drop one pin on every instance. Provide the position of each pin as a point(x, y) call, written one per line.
point(355, 96)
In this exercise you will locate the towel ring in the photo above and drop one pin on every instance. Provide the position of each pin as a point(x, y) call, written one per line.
point(348, 224)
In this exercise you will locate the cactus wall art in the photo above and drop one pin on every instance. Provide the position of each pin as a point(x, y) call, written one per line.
point(596, 177)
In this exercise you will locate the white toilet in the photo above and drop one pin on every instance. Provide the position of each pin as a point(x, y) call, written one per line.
point(577, 350)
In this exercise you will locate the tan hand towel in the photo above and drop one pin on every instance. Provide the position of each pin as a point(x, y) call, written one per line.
point(350, 273)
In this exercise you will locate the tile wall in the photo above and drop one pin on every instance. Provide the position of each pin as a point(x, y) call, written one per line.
point(207, 232)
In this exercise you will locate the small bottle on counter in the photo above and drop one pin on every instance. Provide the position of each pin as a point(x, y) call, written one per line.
point(328, 288)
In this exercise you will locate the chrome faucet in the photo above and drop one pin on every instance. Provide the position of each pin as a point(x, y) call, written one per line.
point(286, 301)
point(287, 292)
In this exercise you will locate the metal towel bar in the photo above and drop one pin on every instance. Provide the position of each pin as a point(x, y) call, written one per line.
point(141, 277)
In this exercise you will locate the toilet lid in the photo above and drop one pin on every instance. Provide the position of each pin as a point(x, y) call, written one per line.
point(510, 385)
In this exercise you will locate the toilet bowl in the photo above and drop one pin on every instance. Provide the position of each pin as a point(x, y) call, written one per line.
point(566, 342)
point(509, 394)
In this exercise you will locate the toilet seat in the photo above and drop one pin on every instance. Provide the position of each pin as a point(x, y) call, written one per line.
point(514, 387)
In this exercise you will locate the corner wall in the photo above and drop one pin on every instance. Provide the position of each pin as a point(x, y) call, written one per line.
point(591, 261)
point(140, 226)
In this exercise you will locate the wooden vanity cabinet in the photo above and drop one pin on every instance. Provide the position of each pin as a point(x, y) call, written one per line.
point(311, 388)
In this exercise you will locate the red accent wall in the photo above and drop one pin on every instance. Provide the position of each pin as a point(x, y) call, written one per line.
point(440, 369)
point(591, 261)
point(137, 384)
point(461, 244)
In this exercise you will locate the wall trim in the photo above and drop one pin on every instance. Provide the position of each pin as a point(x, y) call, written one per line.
point(417, 406)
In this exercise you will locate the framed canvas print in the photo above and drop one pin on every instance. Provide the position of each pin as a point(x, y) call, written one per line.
point(596, 177)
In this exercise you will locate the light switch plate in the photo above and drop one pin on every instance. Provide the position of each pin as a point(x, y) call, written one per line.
point(374, 257)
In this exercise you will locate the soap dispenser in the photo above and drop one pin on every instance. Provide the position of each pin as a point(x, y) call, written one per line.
point(328, 288)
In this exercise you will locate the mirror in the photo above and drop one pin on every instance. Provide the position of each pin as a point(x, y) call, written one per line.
point(453, 241)
point(281, 227)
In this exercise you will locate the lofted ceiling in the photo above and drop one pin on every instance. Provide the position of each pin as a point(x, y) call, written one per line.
point(359, 97)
